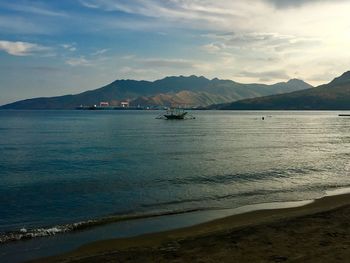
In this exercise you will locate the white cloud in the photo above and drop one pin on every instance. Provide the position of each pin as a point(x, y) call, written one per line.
point(260, 49)
point(155, 68)
point(14, 24)
point(37, 9)
point(70, 47)
point(265, 75)
point(81, 61)
point(133, 71)
point(168, 63)
point(295, 37)
point(212, 47)
point(88, 4)
point(129, 57)
point(181, 65)
point(19, 48)
point(203, 14)
point(100, 52)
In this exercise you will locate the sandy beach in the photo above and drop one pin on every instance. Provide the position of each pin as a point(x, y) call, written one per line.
point(317, 232)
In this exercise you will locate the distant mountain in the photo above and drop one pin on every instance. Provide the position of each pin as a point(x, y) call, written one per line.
point(332, 96)
point(182, 91)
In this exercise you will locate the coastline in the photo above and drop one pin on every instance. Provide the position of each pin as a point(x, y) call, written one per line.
point(296, 234)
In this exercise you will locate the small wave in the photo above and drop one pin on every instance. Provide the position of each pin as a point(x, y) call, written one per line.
point(237, 177)
point(24, 234)
point(253, 193)
point(213, 198)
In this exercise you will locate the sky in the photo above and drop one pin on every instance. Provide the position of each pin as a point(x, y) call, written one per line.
point(50, 48)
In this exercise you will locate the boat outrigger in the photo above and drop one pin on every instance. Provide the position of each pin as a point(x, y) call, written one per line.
point(175, 114)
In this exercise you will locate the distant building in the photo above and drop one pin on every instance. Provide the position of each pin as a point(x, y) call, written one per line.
point(124, 104)
point(104, 104)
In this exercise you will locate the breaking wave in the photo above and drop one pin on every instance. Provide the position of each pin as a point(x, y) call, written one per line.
point(24, 233)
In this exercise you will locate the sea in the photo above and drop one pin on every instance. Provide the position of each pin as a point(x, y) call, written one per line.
point(72, 177)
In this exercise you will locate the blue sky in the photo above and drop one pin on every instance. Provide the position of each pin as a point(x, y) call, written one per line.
point(61, 47)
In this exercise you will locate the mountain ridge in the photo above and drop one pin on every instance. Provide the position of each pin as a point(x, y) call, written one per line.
point(334, 95)
point(190, 91)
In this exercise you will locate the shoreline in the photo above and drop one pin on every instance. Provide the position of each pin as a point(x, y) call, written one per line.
point(158, 246)
point(90, 224)
point(53, 245)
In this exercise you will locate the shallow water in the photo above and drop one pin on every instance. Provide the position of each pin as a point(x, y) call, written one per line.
point(20, 251)
point(63, 167)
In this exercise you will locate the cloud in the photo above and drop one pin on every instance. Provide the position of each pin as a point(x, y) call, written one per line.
point(298, 3)
point(222, 38)
point(31, 68)
point(258, 37)
point(175, 12)
point(191, 9)
point(215, 16)
point(213, 47)
point(265, 75)
point(14, 24)
point(44, 68)
point(161, 62)
point(158, 67)
point(259, 40)
point(254, 50)
point(137, 71)
point(168, 63)
point(176, 65)
point(89, 4)
point(81, 61)
point(99, 52)
point(37, 9)
point(129, 57)
point(70, 47)
point(93, 59)
point(21, 48)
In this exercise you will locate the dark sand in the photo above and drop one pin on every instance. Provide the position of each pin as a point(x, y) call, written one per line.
point(318, 232)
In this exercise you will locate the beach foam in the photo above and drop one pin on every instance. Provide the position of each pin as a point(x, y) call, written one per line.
point(213, 213)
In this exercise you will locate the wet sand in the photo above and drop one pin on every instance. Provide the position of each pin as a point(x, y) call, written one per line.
point(317, 232)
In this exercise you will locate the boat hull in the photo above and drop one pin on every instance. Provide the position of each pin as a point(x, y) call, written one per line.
point(175, 116)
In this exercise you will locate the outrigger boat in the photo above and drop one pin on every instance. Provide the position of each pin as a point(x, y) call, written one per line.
point(175, 114)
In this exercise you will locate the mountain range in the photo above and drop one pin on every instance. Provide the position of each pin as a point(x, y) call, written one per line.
point(332, 96)
point(191, 91)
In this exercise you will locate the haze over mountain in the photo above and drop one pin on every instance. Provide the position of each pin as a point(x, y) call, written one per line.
point(182, 91)
point(332, 96)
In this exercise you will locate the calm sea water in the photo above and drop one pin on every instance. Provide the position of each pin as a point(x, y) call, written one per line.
point(63, 167)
